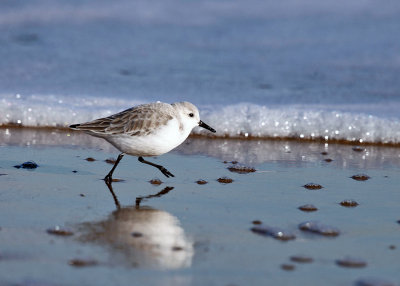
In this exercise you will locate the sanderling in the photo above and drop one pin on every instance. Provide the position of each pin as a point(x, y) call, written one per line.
point(146, 130)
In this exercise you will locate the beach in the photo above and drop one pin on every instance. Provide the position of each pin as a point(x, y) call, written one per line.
point(298, 186)
point(62, 218)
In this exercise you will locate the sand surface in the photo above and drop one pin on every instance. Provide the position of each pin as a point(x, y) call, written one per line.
point(61, 225)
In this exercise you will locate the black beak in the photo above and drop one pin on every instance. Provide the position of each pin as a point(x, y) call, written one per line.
point(202, 124)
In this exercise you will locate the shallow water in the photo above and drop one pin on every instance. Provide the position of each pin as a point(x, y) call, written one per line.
point(195, 234)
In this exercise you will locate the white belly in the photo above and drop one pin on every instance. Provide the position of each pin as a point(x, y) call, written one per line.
point(160, 142)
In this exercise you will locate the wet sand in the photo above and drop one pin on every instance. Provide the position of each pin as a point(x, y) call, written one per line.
point(62, 218)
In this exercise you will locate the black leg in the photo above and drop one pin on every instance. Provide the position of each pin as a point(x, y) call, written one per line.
point(161, 168)
point(108, 178)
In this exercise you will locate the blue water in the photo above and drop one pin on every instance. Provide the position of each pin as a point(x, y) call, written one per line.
point(306, 69)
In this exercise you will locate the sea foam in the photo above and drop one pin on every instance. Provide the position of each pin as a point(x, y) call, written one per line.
point(239, 120)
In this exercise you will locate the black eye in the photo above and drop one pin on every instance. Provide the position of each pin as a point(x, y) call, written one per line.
point(191, 114)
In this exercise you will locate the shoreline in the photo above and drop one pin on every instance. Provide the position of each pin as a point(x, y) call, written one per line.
point(318, 140)
point(249, 152)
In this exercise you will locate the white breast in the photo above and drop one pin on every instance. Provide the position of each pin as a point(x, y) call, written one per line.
point(163, 140)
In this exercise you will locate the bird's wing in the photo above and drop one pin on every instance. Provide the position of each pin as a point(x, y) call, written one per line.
point(140, 120)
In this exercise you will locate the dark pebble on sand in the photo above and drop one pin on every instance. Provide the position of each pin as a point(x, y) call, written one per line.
point(225, 180)
point(349, 203)
point(177, 248)
point(241, 169)
point(201, 182)
point(82, 262)
point(312, 186)
point(3, 174)
point(392, 247)
point(74, 171)
point(308, 208)
point(319, 228)
point(373, 282)
point(360, 177)
point(328, 160)
point(82, 195)
point(358, 149)
point(110, 161)
point(155, 182)
point(27, 165)
point(137, 234)
point(90, 159)
point(351, 262)
point(274, 232)
point(398, 221)
point(324, 153)
point(59, 231)
point(256, 222)
point(301, 259)
point(288, 267)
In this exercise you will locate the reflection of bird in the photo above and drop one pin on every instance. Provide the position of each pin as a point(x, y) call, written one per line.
point(142, 237)
point(146, 130)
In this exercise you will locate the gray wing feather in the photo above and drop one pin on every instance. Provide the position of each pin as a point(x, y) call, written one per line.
point(139, 120)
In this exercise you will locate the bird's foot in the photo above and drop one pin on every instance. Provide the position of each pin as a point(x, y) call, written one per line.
point(166, 172)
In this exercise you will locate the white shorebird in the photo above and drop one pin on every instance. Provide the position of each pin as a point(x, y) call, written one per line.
point(146, 130)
